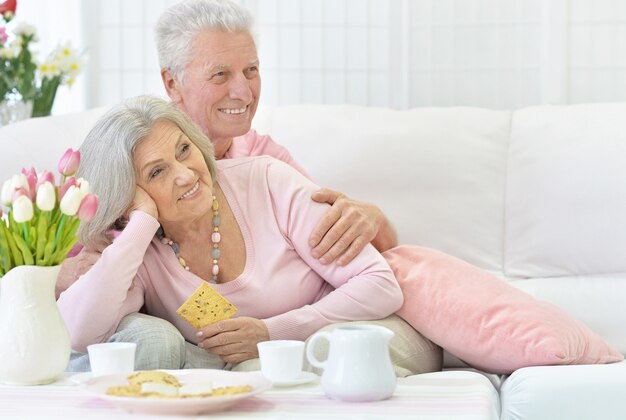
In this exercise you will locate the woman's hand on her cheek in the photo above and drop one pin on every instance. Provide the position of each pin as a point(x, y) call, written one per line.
point(234, 340)
point(143, 202)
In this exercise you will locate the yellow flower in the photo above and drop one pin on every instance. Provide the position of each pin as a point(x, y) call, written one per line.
point(48, 70)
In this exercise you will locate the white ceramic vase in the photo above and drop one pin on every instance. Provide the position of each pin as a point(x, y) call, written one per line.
point(34, 341)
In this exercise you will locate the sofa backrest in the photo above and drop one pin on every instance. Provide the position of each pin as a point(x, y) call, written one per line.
point(532, 193)
point(438, 173)
point(536, 196)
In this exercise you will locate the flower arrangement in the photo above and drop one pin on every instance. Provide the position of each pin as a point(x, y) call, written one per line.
point(20, 76)
point(41, 224)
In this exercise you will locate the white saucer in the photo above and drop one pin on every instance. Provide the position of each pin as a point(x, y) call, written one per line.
point(304, 378)
point(81, 378)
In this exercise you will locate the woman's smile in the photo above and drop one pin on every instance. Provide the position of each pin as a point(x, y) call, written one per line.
point(191, 192)
point(234, 111)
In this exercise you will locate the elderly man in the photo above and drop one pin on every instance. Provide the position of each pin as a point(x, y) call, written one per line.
point(210, 70)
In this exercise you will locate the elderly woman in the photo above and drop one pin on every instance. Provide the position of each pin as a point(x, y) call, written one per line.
point(240, 224)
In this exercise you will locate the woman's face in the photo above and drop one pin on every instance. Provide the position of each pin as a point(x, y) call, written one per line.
point(172, 170)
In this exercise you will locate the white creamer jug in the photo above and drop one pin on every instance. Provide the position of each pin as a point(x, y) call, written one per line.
point(358, 367)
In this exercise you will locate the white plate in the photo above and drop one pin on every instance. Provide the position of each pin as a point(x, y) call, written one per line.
point(219, 378)
point(304, 378)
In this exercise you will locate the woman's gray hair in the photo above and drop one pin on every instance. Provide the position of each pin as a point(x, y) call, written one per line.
point(180, 23)
point(107, 159)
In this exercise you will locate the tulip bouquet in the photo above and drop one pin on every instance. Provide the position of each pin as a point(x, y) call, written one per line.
point(42, 220)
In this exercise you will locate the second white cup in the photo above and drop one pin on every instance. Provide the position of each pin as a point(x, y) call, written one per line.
point(281, 360)
point(111, 358)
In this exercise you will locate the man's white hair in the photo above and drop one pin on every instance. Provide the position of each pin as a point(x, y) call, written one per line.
point(182, 22)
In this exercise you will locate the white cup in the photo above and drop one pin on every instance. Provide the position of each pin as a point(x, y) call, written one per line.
point(111, 358)
point(281, 360)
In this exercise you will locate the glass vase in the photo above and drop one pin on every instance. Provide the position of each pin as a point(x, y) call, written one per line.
point(14, 108)
point(45, 96)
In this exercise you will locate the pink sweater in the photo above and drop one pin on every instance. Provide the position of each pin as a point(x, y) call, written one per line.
point(282, 284)
point(255, 144)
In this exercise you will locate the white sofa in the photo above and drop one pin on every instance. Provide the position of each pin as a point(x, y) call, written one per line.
point(535, 196)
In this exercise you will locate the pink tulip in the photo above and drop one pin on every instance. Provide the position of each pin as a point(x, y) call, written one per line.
point(45, 176)
point(88, 207)
point(70, 182)
point(68, 165)
point(3, 35)
point(31, 178)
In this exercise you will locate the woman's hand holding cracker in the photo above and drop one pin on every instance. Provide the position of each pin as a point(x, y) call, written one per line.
point(235, 339)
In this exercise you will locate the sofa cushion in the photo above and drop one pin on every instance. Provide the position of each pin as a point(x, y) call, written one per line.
point(40, 142)
point(437, 173)
point(486, 322)
point(566, 194)
point(565, 392)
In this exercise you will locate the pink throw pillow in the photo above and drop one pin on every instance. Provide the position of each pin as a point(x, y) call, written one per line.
point(486, 322)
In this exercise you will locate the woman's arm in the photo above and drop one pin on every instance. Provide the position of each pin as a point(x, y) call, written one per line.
point(365, 288)
point(93, 306)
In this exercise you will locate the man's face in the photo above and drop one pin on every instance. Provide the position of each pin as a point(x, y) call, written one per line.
point(221, 85)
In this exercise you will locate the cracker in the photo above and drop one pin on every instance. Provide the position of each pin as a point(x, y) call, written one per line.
point(124, 391)
point(155, 376)
point(231, 390)
point(205, 306)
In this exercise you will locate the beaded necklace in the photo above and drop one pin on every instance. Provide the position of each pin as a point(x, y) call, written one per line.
point(215, 240)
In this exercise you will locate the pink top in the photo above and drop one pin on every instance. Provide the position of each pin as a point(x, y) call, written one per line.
point(250, 144)
point(282, 284)
point(255, 144)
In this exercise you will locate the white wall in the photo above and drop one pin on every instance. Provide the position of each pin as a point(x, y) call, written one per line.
point(499, 54)
point(58, 21)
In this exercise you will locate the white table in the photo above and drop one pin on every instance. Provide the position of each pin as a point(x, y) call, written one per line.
point(440, 395)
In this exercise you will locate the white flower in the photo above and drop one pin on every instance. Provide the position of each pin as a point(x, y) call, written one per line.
point(22, 209)
point(19, 181)
point(46, 197)
point(71, 201)
point(49, 70)
point(68, 62)
point(7, 52)
point(25, 29)
point(7, 193)
point(83, 186)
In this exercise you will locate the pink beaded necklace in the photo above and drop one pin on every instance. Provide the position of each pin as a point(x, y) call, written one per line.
point(215, 240)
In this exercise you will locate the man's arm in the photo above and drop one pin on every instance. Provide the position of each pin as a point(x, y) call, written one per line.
point(347, 227)
point(74, 267)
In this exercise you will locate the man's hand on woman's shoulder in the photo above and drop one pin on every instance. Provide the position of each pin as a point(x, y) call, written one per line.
point(348, 227)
